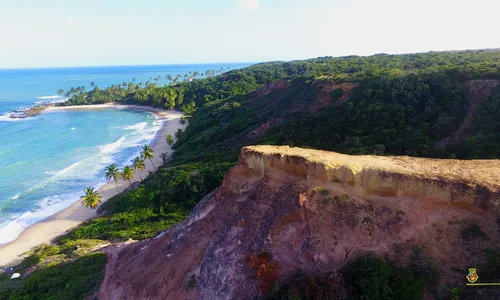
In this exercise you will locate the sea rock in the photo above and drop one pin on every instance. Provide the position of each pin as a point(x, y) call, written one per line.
point(313, 210)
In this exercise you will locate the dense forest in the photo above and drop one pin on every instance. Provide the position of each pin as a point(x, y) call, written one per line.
point(395, 105)
point(403, 105)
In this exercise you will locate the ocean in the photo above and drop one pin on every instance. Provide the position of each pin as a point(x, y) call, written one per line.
point(46, 161)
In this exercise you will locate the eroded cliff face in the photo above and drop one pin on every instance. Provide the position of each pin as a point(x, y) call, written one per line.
point(313, 210)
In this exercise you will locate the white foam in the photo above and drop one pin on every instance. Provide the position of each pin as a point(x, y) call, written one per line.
point(15, 197)
point(139, 136)
point(108, 148)
point(48, 206)
point(73, 128)
point(49, 97)
point(85, 169)
point(138, 126)
point(6, 118)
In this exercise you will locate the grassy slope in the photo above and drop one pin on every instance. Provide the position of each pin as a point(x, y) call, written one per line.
point(403, 105)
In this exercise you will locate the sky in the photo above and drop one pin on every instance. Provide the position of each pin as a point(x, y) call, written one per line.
point(59, 33)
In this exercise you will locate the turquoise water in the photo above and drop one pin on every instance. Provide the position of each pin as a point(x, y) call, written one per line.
point(47, 161)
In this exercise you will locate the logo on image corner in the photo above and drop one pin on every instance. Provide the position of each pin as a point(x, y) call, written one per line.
point(472, 276)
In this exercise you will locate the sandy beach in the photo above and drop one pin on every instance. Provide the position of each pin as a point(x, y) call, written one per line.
point(59, 223)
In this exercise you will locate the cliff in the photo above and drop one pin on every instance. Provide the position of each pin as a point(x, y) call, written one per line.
point(313, 210)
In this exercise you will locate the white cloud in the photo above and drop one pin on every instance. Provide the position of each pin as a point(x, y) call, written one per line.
point(70, 21)
point(248, 5)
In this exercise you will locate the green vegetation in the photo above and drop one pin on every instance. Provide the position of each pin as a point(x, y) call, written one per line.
point(321, 286)
point(164, 199)
point(484, 132)
point(76, 280)
point(113, 172)
point(473, 231)
point(170, 140)
point(128, 174)
point(425, 269)
point(371, 278)
point(91, 198)
point(366, 278)
point(148, 153)
point(138, 165)
point(401, 105)
point(397, 116)
point(191, 283)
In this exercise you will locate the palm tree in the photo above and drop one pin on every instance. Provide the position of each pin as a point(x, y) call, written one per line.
point(147, 153)
point(112, 172)
point(178, 133)
point(138, 164)
point(91, 198)
point(170, 140)
point(128, 174)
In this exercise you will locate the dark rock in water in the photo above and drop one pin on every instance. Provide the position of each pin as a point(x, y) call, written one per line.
point(27, 112)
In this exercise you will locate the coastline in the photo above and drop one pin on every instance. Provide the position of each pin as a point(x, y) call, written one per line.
point(58, 224)
point(156, 111)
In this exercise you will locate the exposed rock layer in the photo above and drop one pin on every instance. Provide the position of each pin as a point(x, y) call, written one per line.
point(313, 210)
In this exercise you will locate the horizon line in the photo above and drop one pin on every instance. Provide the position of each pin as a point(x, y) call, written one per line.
point(131, 65)
point(256, 62)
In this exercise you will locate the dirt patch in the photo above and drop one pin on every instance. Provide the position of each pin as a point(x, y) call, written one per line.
point(330, 93)
point(262, 129)
point(477, 92)
point(271, 87)
point(324, 97)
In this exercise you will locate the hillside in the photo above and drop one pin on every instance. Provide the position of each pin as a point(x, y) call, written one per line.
point(315, 211)
point(434, 105)
point(428, 112)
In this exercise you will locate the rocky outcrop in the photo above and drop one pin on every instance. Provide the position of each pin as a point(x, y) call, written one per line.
point(29, 112)
point(313, 210)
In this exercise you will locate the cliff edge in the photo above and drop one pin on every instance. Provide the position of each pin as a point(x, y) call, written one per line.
point(313, 210)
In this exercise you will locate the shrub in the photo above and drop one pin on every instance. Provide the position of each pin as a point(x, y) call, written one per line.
point(473, 231)
point(370, 278)
point(323, 286)
point(76, 280)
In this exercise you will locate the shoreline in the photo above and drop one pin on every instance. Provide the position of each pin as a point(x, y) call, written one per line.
point(53, 108)
point(11, 253)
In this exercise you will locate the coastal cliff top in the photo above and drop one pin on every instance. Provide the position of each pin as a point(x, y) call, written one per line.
point(481, 172)
point(299, 209)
